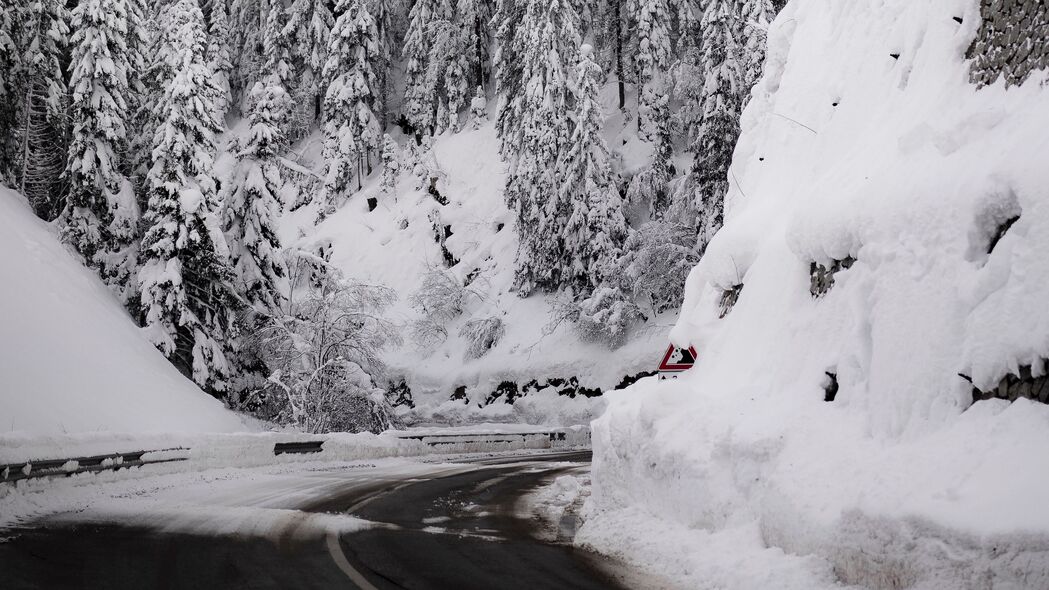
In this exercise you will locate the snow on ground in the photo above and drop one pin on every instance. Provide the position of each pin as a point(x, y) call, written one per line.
point(395, 246)
point(238, 458)
point(71, 360)
point(739, 475)
point(264, 501)
point(557, 505)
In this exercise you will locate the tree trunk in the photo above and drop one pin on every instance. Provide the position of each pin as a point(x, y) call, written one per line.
point(478, 54)
point(619, 52)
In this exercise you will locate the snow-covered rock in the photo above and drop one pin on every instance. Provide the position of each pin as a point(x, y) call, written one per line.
point(865, 139)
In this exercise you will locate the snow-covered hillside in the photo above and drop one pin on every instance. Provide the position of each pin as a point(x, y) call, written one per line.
point(399, 244)
point(70, 357)
point(866, 150)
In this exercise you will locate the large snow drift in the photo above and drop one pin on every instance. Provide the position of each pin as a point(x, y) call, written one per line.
point(70, 358)
point(864, 139)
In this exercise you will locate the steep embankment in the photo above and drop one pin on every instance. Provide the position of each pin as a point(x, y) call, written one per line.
point(888, 223)
point(71, 360)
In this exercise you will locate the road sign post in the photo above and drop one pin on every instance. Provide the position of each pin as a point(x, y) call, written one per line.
point(676, 361)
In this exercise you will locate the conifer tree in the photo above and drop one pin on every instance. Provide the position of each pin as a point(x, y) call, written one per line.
point(447, 73)
point(702, 195)
point(250, 213)
point(277, 46)
point(588, 196)
point(688, 76)
point(9, 64)
point(42, 41)
point(391, 165)
point(248, 20)
point(101, 216)
point(474, 17)
point(185, 280)
point(383, 13)
point(756, 16)
point(218, 53)
point(138, 141)
point(506, 64)
point(351, 127)
point(613, 31)
point(479, 107)
point(420, 92)
point(652, 59)
point(537, 129)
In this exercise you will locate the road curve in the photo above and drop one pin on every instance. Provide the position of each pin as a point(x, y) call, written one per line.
point(451, 531)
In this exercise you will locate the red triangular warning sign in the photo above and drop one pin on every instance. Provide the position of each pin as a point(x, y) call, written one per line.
point(678, 359)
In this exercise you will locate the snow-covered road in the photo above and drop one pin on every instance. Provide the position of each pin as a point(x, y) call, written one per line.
point(391, 523)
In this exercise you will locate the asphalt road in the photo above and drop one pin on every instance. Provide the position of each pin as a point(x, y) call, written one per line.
point(456, 531)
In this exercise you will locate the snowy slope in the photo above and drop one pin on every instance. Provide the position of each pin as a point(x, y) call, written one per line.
point(902, 164)
point(395, 246)
point(70, 358)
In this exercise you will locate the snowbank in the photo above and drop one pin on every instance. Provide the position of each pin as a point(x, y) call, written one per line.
point(864, 139)
point(71, 360)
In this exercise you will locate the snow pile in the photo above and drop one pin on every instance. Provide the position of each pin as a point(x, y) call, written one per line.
point(71, 360)
point(864, 140)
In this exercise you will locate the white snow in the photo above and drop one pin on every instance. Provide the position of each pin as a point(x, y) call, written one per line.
point(71, 360)
point(395, 246)
point(738, 474)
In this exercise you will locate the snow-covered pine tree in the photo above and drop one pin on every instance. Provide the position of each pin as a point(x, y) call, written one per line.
point(42, 42)
point(474, 17)
point(391, 165)
point(383, 13)
point(588, 197)
point(351, 127)
point(135, 161)
point(701, 196)
point(479, 107)
point(506, 65)
point(101, 215)
point(447, 73)
point(248, 25)
point(651, 61)
point(611, 25)
point(9, 64)
point(185, 281)
point(249, 215)
point(687, 73)
point(276, 45)
point(756, 16)
point(420, 92)
point(536, 134)
point(218, 53)
point(158, 58)
point(650, 187)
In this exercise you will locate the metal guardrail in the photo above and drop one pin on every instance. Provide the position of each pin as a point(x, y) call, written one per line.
point(503, 437)
point(298, 448)
point(65, 467)
point(13, 472)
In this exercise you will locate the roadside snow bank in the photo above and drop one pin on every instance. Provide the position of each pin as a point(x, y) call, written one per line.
point(71, 360)
point(864, 140)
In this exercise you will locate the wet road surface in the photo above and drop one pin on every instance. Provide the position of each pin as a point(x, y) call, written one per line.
point(449, 531)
